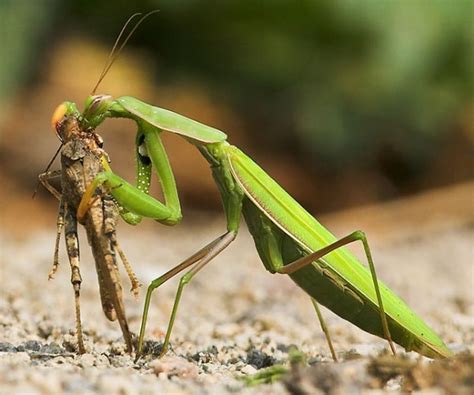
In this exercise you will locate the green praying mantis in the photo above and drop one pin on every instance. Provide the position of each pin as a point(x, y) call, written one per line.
point(288, 239)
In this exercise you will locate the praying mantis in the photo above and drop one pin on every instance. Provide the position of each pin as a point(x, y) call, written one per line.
point(287, 238)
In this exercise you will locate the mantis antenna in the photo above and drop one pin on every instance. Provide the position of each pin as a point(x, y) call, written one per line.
point(117, 48)
point(114, 54)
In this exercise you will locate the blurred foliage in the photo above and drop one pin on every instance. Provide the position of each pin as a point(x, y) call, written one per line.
point(22, 25)
point(337, 84)
point(348, 80)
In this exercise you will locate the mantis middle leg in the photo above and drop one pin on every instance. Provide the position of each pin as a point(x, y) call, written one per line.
point(200, 259)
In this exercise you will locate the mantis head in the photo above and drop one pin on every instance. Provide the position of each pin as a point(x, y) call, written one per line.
point(67, 119)
point(96, 110)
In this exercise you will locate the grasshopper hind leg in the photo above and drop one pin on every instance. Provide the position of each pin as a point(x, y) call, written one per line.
point(112, 286)
point(59, 229)
point(72, 247)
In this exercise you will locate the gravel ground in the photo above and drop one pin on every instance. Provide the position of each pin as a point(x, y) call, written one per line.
point(235, 318)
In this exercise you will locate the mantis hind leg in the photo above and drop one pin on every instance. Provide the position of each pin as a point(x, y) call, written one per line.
point(200, 259)
point(354, 236)
point(324, 328)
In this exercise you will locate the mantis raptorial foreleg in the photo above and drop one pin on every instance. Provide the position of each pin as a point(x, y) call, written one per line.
point(200, 258)
point(354, 236)
point(135, 201)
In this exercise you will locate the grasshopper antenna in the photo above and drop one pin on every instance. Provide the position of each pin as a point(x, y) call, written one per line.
point(47, 168)
point(117, 49)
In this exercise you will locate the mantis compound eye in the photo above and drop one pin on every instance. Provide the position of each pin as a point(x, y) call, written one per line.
point(96, 109)
point(99, 140)
point(58, 116)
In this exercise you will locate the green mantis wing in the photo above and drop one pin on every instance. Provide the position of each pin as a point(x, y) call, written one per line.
point(170, 121)
point(305, 230)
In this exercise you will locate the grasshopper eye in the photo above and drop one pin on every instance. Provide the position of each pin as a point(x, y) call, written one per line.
point(58, 115)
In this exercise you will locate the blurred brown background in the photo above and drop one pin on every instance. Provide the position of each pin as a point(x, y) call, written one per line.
point(343, 103)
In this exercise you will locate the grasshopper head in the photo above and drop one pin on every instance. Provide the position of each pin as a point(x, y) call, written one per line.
point(64, 120)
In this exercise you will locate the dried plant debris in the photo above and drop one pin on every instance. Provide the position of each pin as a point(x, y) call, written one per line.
point(388, 367)
point(326, 378)
point(399, 374)
point(453, 376)
point(270, 371)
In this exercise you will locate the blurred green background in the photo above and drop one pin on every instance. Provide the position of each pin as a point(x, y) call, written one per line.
point(343, 102)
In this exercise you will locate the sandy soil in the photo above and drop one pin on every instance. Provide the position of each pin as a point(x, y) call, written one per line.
point(236, 318)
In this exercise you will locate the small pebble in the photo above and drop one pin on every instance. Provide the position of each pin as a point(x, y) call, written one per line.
point(212, 350)
point(248, 369)
point(51, 348)
point(210, 368)
point(69, 343)
point(45, 330)
point(32, 345)
point(102, 361)
point(259, 359)
point(7, 347)
point(174, 366)
point(118, 348)
point(152, 347)
point(120, 361)
point(87, 360)
point(284, 347)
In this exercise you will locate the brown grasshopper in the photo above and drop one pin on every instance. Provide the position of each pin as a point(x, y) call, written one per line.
point(82, 158)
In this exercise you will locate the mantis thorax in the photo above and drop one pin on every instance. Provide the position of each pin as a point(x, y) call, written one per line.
point(214, 153)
